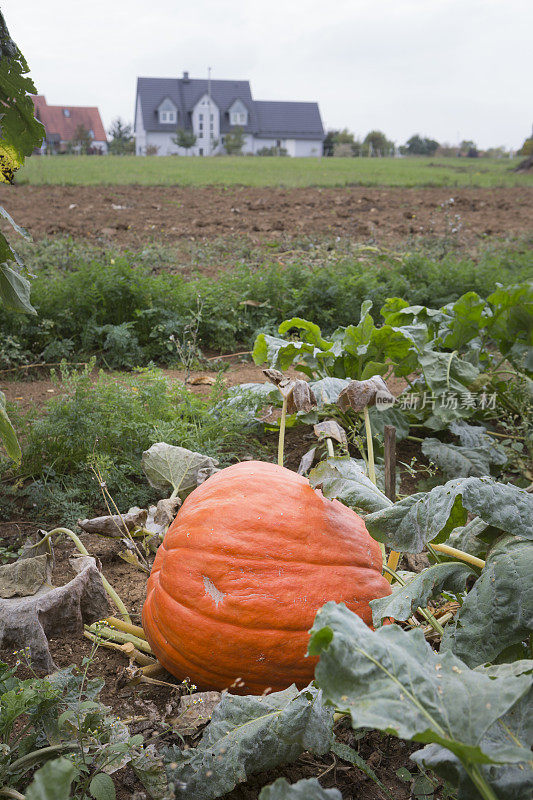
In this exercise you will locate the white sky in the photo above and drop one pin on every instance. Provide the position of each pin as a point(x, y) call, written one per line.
point(449, 69)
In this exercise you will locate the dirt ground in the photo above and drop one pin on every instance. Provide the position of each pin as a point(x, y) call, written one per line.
point(130, 216)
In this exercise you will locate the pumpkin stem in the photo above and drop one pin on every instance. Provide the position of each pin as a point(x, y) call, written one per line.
point(281, 441)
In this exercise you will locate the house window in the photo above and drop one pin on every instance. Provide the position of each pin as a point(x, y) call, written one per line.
point(201, 151)
point(91, 133)
point(238, 118)
point(66, 112)
point(201, 116)
point(201, 127)
point(167, 116)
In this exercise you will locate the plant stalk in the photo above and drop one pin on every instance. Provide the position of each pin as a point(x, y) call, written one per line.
point(83, 550)
point(281, 440)
point(119, 636)
point(370, 447)
point(329, 445)
point(460, 555)
point(5, 791)
point(120, 625)
point(485, 789)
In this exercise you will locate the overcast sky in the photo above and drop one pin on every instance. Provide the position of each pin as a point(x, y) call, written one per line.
point(449, 69)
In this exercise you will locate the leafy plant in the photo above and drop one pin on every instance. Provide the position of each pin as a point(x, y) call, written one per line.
point(392, 680)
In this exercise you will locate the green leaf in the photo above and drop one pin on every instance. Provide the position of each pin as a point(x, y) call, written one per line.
point(20, 132)
point(389, 416)
point(430, 582)
point(53, 781)
point(312, 332)
point(306, 789)
point(102, 787)
point(15, 290)
point(348, 754)
point(457, 461)
point(468, 538)
point(468, 315)
point(342, 479)
point(512, 316)
point(392, 680)
point(150, 770)
point(7, 432)
point(510, 781)
point(281, 354)
point(408, 525)
point(251, 734)
point(498, 610)
point(169, 467)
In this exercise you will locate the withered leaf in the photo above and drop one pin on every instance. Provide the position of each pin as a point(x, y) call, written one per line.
point(195, 711)
point(27, 621)
point(301, 398)
point(115, 525)
point(360, 394)
point(25, 576)
point(329, 429)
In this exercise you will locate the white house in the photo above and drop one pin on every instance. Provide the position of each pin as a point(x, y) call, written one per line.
point(211, 110)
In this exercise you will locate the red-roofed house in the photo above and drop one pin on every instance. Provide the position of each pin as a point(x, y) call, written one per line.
point(61, 123)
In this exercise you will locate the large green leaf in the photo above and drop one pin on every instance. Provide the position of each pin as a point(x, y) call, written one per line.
point(509, 781)
point(7, 432)
point(20, 132)
point(389, 416)
point(392, 680)
point(327, 390)
point(311, 332)
point(53, 781)
point(408, 525)
point(281, 354)
point(458, 461)
point(468, 316)
point(428, 583)
point(171, 468)
point(15, 289)
point(512, 316)
point(252, 734)
point(342, 478)
point(498, 611)
point(306, 789)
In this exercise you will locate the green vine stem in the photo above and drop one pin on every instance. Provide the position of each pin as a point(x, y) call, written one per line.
point(476, 776)
point(460, 555)
point(6, 792)
point(281, 440)
point(118, 636)
point(27, 761)
point(83, 550)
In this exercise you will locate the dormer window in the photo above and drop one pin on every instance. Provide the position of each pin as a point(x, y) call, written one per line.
point(238, 113)
point(167, 116)
point(66, 112)
point(167, 112)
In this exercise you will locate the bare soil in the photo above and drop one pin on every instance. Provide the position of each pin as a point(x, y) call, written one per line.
point(130, 216)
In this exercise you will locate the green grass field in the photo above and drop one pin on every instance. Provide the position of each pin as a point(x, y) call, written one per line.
point(289, 172)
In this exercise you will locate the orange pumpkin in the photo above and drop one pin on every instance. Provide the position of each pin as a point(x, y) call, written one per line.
point(252, 555)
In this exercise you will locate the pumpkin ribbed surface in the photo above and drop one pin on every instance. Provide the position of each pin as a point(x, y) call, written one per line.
point(252, 555)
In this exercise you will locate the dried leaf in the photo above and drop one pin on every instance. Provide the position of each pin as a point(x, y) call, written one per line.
point(273, 375)
point(24, 621)
point(195, 711)
point(307, 461)
point(359, 394)
point(166, 510)
point(25, 576)
point(202, 380)
point(115, 525)
point(301, 398)
point(329, 429)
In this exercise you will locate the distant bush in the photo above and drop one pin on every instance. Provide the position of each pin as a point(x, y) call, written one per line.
point(272, 151)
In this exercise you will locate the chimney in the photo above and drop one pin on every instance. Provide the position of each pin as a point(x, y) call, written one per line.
point(185, 76)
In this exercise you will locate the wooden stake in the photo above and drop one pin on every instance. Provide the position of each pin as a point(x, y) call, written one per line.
point(390, 485)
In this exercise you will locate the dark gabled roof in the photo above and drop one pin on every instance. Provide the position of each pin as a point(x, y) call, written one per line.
point(287, 119)
point(270, 119)
point(185, 93)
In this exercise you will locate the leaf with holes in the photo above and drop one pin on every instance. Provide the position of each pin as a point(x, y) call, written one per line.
point(251, 734)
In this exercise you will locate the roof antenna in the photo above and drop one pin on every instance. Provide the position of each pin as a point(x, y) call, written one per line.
point(209, 110)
